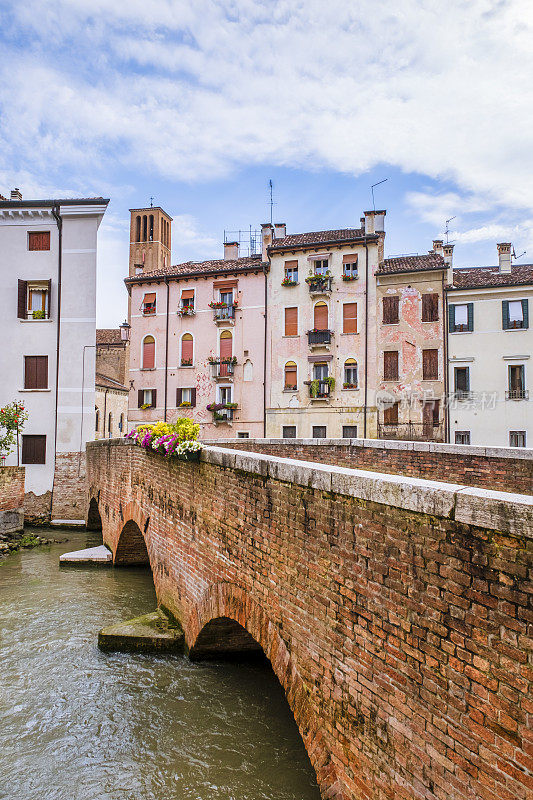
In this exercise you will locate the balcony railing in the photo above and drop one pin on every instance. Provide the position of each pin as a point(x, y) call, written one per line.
point(462, 394)
point(186, 311)
point(319, 390)
point(224, 313)
point(319, 284)
point(222, 368)
point(411, 431)
point(517, 394)
point(222, 412)
point(315, 337)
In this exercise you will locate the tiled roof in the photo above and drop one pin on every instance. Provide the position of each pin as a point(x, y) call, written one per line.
point(316, 237)
point(197, 267)
point(416, 263)
point(108, 383)
point(108, 336)
point(480, 277)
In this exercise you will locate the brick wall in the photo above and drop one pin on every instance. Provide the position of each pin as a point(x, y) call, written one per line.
point(491, 468)
point(11, 499)
point(396, 626)
point(70, 501)
point(111, 361)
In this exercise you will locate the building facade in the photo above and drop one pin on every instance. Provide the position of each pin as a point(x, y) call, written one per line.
point(111, 383)
point(197, 339)
point(490, 344)
point(48, 306)
point(321, 330)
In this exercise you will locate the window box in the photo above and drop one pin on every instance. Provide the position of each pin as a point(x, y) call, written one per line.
point(222, 412)
point(347, 278)
point(349, 386)
point(288, 282)
point(319, 284)
point(186, 311)
point(186, 362)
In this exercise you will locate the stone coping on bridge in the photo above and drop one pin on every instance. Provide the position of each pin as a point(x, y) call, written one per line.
point(506, 512)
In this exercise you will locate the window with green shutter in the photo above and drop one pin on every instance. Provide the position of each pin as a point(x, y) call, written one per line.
point(515, 314)
point(461, 317)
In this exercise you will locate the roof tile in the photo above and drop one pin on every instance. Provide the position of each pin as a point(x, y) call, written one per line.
point(481, 277)
point(316, 237)
point(418, 263)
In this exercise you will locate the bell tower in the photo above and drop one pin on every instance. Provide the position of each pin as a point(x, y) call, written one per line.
point(150, 240)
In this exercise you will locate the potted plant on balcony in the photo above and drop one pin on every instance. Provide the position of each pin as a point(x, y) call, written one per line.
point(347, 277)
point(288, 282)
point(217, 304)
point(186, 362)
point(186, 311)
point(349, 386)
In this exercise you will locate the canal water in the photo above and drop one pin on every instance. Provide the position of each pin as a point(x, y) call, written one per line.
point(78, 724)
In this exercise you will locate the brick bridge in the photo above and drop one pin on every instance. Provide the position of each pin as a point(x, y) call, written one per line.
point(394, 610)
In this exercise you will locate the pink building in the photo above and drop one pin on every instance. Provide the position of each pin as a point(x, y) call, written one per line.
point(197, 335)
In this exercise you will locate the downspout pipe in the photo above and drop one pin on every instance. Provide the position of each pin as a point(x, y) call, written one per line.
point(166, 347)
point(445, 356)
point(59, 222)
point(366, 343)
point(265, 360)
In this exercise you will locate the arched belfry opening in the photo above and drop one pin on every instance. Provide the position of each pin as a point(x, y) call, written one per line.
point(224, 639)
point(131, 548)
point(94, 520)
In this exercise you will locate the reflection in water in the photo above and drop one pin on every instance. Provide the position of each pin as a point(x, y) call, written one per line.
point(77, 724)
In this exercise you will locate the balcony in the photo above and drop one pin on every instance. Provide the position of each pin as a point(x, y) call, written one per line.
point(222, 412)
point(224, 313)
point(517, 394)
point(316, 338)
point(319, 284)
point(320, 389)
point(411, 431)
point(186, 311)
point(223, 368)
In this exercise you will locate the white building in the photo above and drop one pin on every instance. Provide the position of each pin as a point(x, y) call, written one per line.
point(490, 354)
point(48, 309)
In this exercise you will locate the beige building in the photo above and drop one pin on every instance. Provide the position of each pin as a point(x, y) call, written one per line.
point(321, 330)
point(490, 344)
point(111, 383)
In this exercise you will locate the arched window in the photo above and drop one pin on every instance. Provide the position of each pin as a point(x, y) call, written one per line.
point(148, 359)
point(164, 236)
point(110, 424)
point(291, 381)
point(121, 423)
point(138, 229)
point(151, 228)
point(187, 347)
point(96, 419)
point(226, 353)
point(350, 373)
point(145, 226)
point(320, 318)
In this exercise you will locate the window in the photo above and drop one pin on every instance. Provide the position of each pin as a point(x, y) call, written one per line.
point(350, 374)
point(187, 347)
point(320, 371)
point(349, 317)
point(145, 227)
point(121, 423)
point(320, 317)
point(34, 299)
point(291, 322)
point(515, 314)
point(390, 414)
point(36, 372)
point(391, 310)
point(431, 414)
point(186, 397)
point(138, 229)
point(39, 240)
point(321, 266)
point(33, 449)
point(430, 307)
point(462, 437)
point(517, 382)
point(461, 381)
point(96, 419)
point(391, 365)
point(226, 297)
point(151, 228)
point(461, 317)
point(187, 299)
point(349, 431)
point(243, 435)
point(291, 271)
point(289, 432)
point(110, 424)
point(291, 381)
point(148, 354)
point(149, 303)
point(517, 439)
point(430, 365)
point(319, 431)
point(224, 394)
point(147, 398)
point(349, 266)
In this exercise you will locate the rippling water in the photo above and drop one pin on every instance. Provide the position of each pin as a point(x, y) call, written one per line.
point(77, 724)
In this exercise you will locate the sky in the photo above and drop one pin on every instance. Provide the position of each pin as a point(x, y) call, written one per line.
point(199, 104)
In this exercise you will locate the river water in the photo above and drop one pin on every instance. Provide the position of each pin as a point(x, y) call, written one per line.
point(78, 724)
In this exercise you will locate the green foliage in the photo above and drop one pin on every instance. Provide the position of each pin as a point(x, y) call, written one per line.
point(38, 314)
point(12, 419)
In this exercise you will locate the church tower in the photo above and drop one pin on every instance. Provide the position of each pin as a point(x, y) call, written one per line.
point(150, 240)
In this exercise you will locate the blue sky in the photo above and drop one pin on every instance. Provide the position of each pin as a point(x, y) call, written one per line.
point(200, 103)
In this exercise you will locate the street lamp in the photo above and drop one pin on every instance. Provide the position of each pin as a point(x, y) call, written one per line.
point(125, 330)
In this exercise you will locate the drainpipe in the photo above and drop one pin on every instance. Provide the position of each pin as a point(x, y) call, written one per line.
point(445, 356)
point(166, 348)
point(105, 411)
point(265, 360)
point(366, 340)
point(59, 222)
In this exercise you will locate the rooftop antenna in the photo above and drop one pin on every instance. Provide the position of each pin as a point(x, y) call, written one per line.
point(372, 190)
point(447, 231)
point(271, 199)
point(151, 202)
point(517, 257)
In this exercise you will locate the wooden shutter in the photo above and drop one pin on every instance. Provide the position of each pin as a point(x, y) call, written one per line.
point(226, 347)
point(391, 308)
point(470, 310)
point(187, 294)
point(430, 307)
point(193, 397)
point(291, 264)
point(525, 312)
point(36, 372)
point(186, 349)
point(148, 355)
point(290, 375)
point(48, 311)
point(179, 394)
point(291, 321)
point(140, 399)
point(349, 318)
point(22, 299)
point(321, 317)
point(390, 364)
point(33, 449)
point(451, 318)
point(390, 415)
point(505, 314)
point(430, 365)
point(349, 258)
point(154, 398)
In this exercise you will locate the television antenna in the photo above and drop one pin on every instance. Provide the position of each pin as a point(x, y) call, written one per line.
point(372, 190)
point(513, 254)
point(151, 202)
point(447, 231)
point(271, 186)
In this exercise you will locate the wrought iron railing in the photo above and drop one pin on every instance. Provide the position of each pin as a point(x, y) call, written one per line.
point(227, 312)
point(319, 389)
point(319, 284)
point(517, 394)
point(411, 431)
point(222, 369)
point(319, 337)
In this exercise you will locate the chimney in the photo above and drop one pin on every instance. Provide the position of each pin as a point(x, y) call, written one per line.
point(231, 251)
point(15, 194)
point(374, 222)
point(447, 254)
point(437, 246)
point(280, 230)
point(267, 234)
point(504, 256)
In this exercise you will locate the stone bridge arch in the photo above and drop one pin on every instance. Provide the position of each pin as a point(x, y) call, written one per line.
point(227, 610)
point(131, 549)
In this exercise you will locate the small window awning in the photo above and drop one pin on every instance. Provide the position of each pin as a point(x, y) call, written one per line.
point(149, 298)
point(319, 359)
point(223, 285)
point(187, 294)
point(350, 258)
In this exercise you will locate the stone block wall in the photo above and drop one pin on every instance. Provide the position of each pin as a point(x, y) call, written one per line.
point(505, 469)
point(11, 500)
point(394, 611)
point(69, 502)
